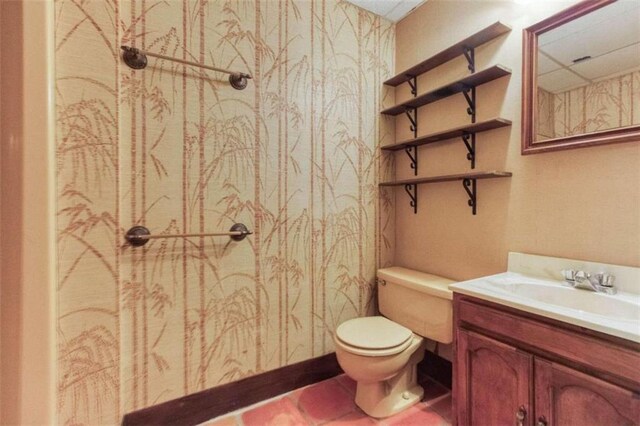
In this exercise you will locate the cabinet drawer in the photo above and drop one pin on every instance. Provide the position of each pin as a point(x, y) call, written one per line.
point(546, 339)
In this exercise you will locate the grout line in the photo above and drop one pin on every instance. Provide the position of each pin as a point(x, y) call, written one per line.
point(300, 410)
point(313, 422)
point(238, 419)
point(343, 386)
point(436, 399)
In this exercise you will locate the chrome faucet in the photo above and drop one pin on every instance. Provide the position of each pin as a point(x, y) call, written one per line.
point(600, 283)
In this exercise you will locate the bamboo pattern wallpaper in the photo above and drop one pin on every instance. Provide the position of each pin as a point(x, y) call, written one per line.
point(603, 105)
point(175, 148)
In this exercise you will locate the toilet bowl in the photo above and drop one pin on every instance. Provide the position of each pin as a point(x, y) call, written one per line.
point(381, 353)
point(385, 368)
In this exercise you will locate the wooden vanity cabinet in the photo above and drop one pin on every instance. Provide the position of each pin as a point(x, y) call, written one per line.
point(497, 386)
point(565, 396)
point(516, 368)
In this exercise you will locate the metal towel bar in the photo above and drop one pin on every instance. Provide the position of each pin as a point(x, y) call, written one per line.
point(139, 235)
point(137, 59)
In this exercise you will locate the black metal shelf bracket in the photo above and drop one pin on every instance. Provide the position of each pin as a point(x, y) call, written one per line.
point(469, 53)
point(469, 185)
point(471, 147)
point(471, 101)
point(412, 115)
point(412, 190)
point(413, 83)
point(412, 152)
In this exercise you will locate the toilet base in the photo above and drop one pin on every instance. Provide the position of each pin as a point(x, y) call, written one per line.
point(388, 397)
point(387, 405)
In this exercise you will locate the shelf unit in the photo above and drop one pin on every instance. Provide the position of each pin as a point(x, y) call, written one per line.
point(467, 86)
point(464, 85)
point(463, 47)
point(468, 183)
point(463, 132)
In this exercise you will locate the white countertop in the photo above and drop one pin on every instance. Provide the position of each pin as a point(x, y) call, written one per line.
point(616, 315)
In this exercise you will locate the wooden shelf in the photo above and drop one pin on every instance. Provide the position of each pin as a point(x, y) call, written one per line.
point(450, 89)
point(481, 37)
point(483, 126)
point(467, 86)
point(448, 178)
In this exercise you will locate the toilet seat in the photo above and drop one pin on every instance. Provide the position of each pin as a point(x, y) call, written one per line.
point(373, 336)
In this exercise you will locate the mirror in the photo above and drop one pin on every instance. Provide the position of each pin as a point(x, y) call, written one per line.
point(581, 77)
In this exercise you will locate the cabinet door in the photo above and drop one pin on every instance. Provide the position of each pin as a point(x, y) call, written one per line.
point(565, 396)
point(492, 383)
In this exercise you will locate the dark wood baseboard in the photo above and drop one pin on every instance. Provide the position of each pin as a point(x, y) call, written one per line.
point(436, 368)
point(202, 406)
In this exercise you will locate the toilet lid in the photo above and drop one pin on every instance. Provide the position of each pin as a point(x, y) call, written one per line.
point(373, 333)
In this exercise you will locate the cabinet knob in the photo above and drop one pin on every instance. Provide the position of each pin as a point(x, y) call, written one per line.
point(521, 415)
point(542, 421)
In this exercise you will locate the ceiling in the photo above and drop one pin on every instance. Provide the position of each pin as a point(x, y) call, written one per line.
point(393, 10)
point(610, 35)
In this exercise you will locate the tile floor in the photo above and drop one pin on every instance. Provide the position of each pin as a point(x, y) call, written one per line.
point(331, 403)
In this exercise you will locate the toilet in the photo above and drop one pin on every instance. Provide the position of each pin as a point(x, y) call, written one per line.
point(381, 353)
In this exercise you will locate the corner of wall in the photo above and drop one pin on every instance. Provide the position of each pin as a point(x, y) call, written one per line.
point(27, 246)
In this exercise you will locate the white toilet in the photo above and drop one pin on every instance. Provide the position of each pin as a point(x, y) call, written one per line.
point(381, 353)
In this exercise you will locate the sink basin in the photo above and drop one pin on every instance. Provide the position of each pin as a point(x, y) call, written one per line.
point(584, 301)
point(617, 315)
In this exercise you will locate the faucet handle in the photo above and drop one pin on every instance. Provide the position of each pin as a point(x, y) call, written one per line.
point(605, 280)
point(569, 274)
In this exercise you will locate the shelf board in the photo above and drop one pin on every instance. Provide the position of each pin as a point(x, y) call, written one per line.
point(450, 89)
point(448, 178)
point(483, 126)
point(489, 33)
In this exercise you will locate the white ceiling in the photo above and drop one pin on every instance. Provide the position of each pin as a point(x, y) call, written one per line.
point(393, 10)
point(610, 35)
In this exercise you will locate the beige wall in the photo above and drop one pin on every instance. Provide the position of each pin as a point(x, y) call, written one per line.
point(581, 204)
point(27, 227)
point(178, 150)
point(133, 328)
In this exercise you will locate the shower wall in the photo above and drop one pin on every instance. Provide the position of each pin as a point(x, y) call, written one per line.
point(176, 149)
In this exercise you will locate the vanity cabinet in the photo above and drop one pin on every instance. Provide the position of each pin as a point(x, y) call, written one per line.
point(565, 396)
point(512, 367)
point(496, 389)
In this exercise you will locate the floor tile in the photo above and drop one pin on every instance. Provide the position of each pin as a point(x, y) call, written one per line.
point(281, 412)
point(418, 415)
point(331, 403)
point(348, 383)
point(444, 407)
point(324, 401)
point(222, 421)
point(353, 419)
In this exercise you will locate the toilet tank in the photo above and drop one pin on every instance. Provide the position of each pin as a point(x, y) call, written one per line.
point(421, 302)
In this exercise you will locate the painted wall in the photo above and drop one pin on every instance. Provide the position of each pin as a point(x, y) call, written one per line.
point(27, 288)
point(176, 149)
point(577, 204)
point(603, 105)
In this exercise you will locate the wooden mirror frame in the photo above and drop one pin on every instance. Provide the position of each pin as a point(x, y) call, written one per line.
point(529, 92)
